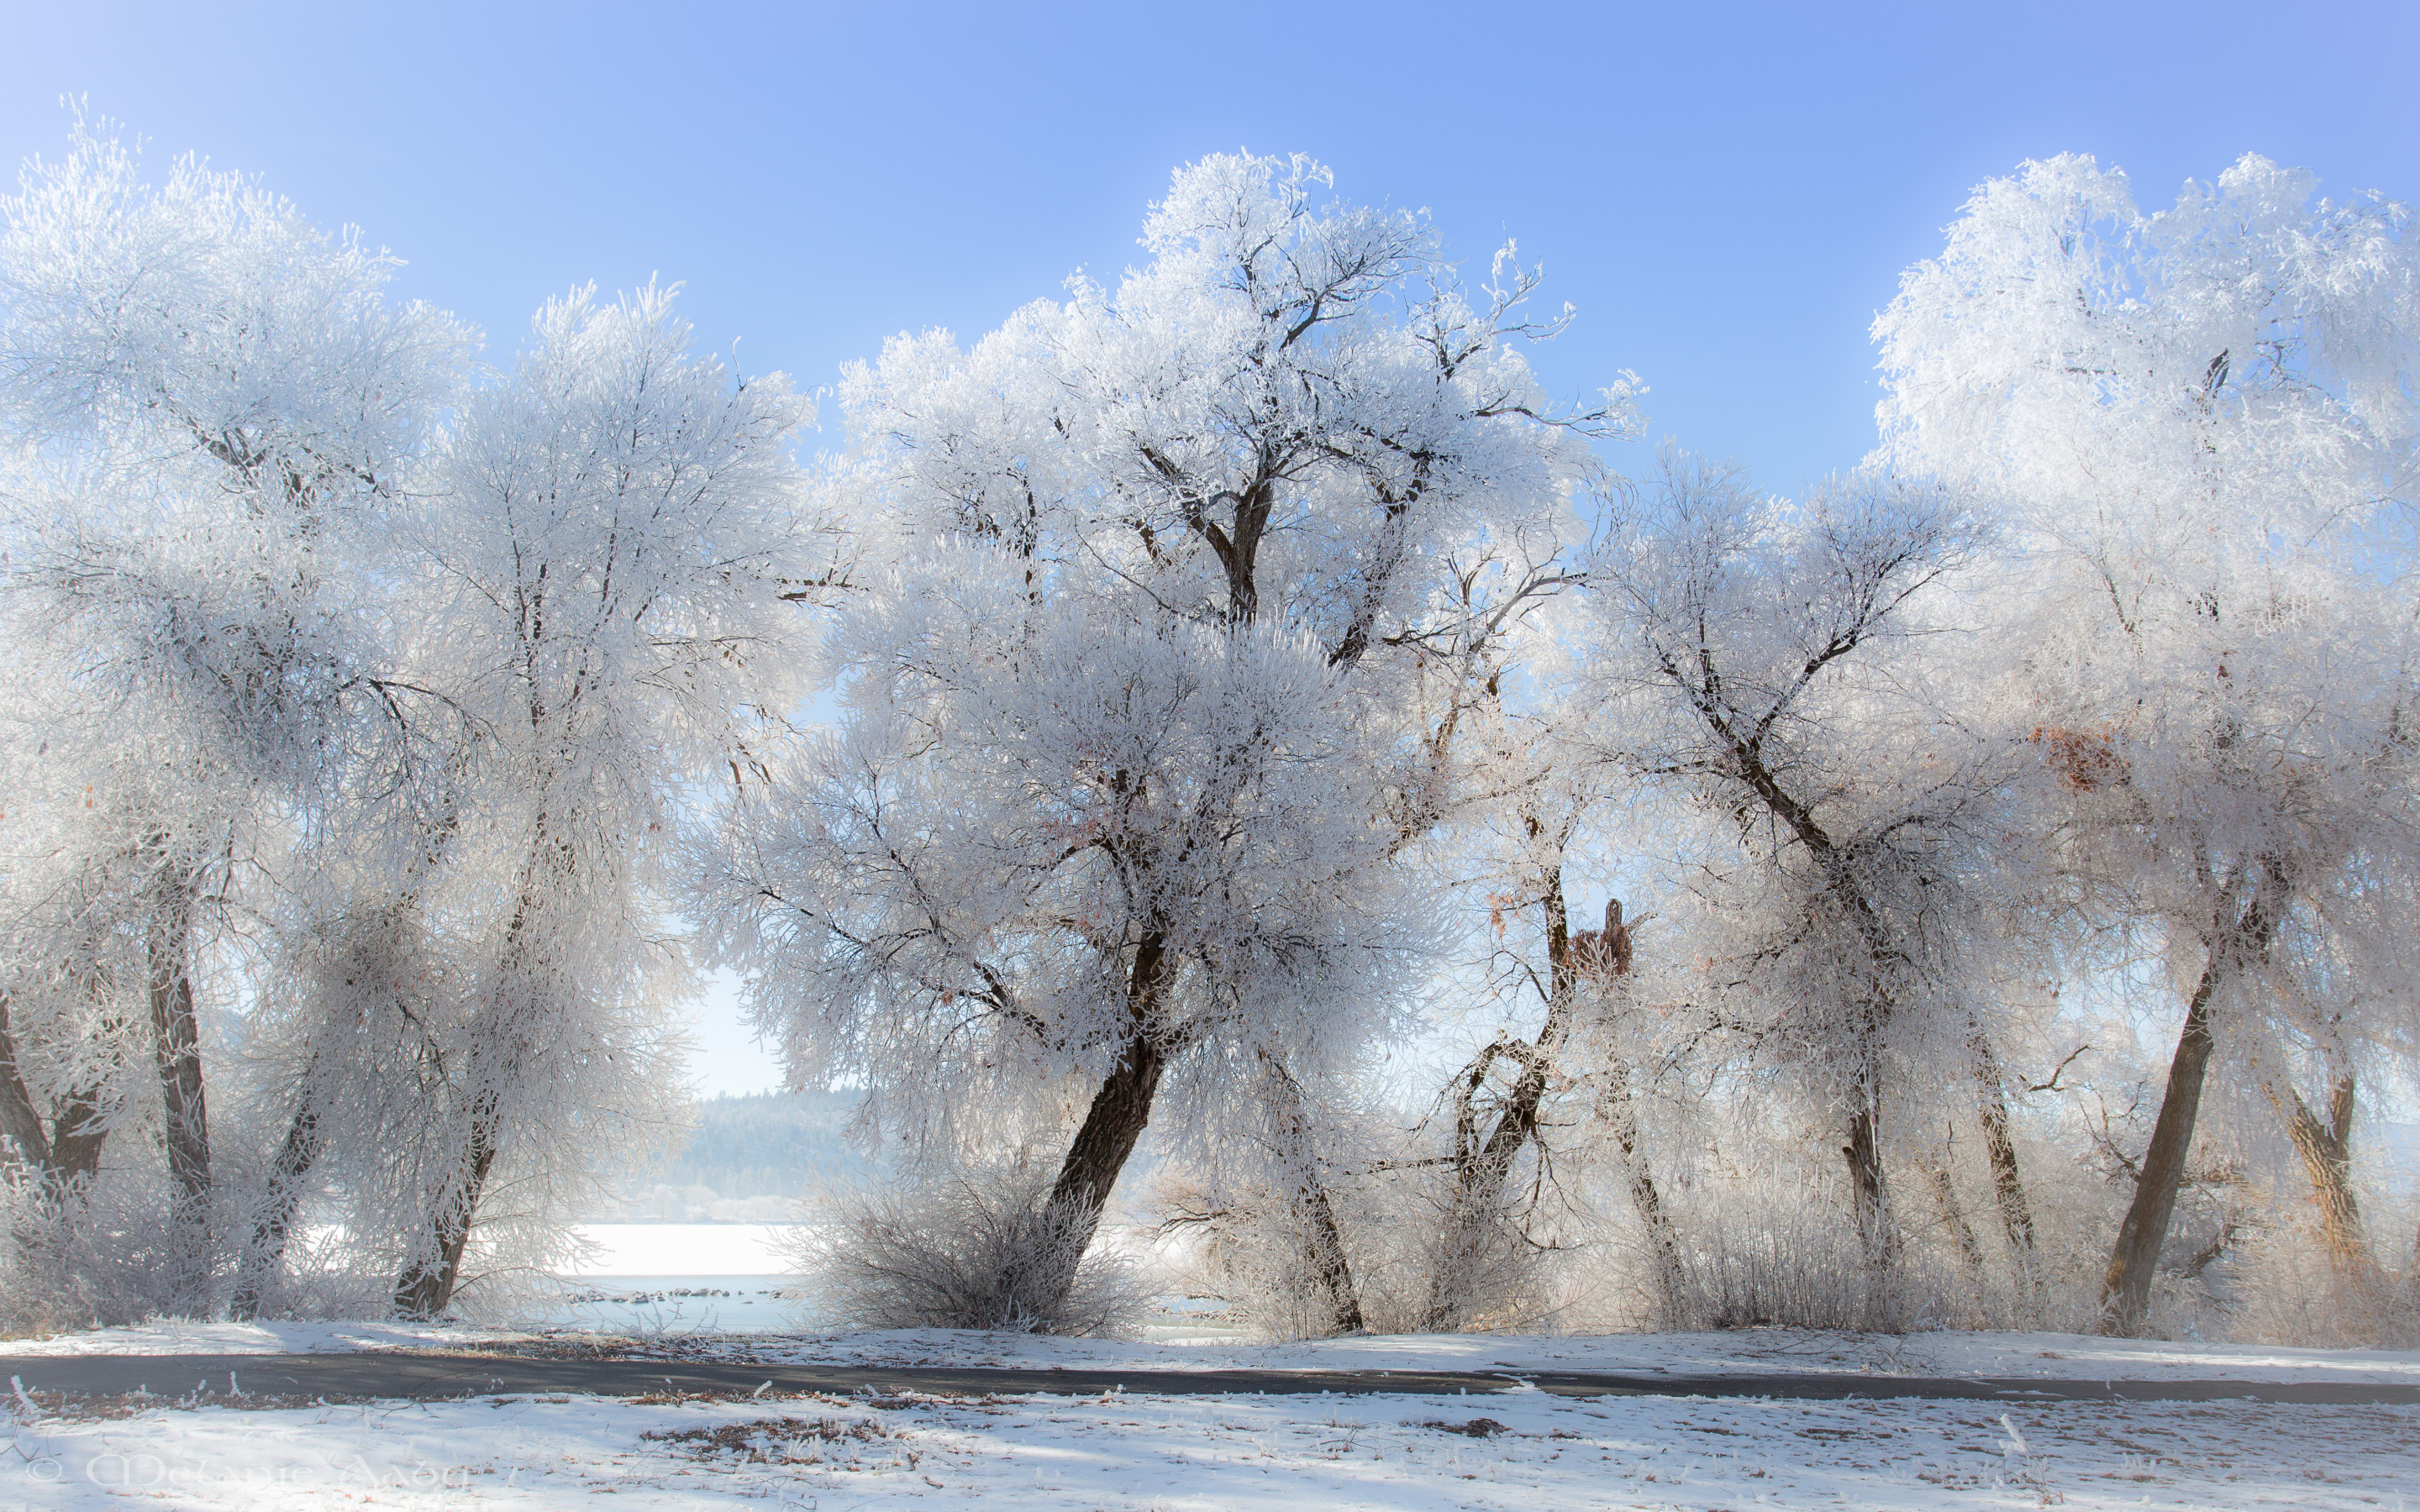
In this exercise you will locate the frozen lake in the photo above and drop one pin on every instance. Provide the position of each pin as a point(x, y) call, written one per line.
point(686, 1249)
point(678, 1303)
point(679, 1278)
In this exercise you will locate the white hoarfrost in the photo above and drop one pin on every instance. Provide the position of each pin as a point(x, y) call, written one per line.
point(1139, 694)
point(2202, 426)
point(210, 406)
point(361, 689)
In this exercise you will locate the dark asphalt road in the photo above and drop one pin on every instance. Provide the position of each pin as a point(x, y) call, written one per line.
point(435, 1375)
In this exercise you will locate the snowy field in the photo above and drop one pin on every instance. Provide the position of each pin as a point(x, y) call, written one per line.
point(1517, 1449)
point(1522, 1450)
point(1741, 1351)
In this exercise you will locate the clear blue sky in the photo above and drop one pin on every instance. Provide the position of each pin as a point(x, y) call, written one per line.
point(1727, 192)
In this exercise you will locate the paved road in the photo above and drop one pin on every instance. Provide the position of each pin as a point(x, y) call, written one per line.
point(434, 1375)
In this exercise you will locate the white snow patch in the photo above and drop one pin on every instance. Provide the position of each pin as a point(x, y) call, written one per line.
point(1242, 1454)
point(173, 1336)
point(1745, 1352)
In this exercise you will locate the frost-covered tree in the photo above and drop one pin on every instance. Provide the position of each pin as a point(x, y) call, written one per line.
point(609, 532)
point(1498, 1106)
point(2204, 423)
point(1769, 666)
point(207, 398)
point(368, 981)
point(70, 1029)
point(1173, 598)
point(382, 728)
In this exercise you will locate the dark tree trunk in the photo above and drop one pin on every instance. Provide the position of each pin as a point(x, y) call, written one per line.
point(2007, 1184)
point(68, 1152)
point(1482, 1165)
point(62, 1158)
point(78, 1131)
point(2238, 943)
point(20, 1128)
point(2326, 1150)
point(1330, 1269)
point(1870, 1191)
point(1481, 1168)
point(185, 1126)
point(2126, 1290)
point(425, 1287)
point(20, 1122)
point(1120, 1112)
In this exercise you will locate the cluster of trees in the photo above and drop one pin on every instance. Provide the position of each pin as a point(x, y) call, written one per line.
point(1240, 670)
point(354, 689)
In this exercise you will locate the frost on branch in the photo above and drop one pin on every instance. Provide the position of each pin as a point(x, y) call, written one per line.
point(209, 404)
point(1145, 702)
point(2204, 422)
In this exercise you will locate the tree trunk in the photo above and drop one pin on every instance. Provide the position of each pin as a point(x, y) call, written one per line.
point(68, 1152)
point(1953, 1216)
point(425, 1287)
point(2326, 1150)
point(60, 1159)
point(20, 1122)
point(2126, 1289)
point(1663, 1240)
point(1480, 1168)
point(1121, 1111)
point(78, 1130)
point(1323, 1240)
point(272, 1221)
point(1324, 1249)
point(185, 1126)
point(1870, 1207)
point(1869, 1189)
point(25, 1141)
point(2008, 1186)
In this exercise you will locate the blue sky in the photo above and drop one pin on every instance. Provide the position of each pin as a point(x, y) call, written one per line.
point(1727, 192)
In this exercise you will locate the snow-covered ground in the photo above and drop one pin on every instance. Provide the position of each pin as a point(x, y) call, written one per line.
point(1519, 1448)
point(1755, 1351)
point(1523, 1450)
point(340, 1336)
point(1749, 1351)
